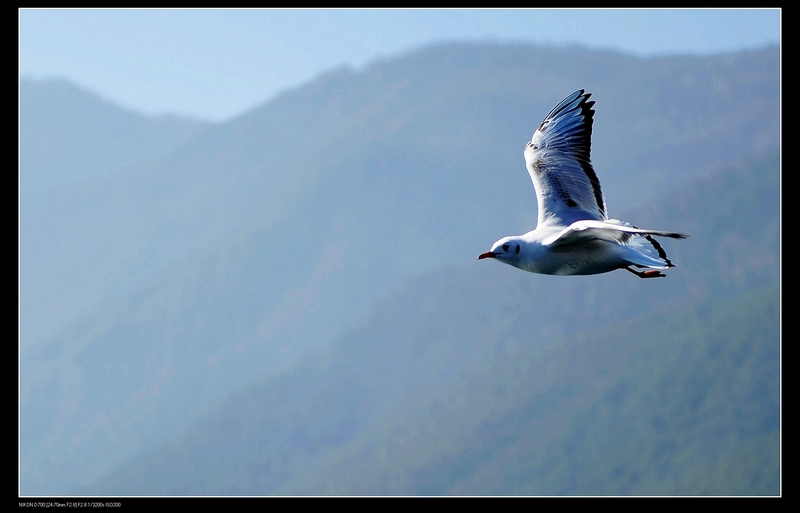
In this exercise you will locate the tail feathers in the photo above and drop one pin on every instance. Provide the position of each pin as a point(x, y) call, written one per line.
point(661, 253)
point(645, 251)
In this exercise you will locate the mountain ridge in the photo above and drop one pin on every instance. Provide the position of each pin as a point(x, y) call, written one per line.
point(380, 368)
point(217, 264)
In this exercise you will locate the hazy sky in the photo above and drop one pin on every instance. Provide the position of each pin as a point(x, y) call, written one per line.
point(217, 63)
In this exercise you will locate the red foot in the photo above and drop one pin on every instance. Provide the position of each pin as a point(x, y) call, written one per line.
point(647, 274)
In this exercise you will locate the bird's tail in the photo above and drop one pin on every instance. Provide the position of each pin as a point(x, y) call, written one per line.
point(648, 251)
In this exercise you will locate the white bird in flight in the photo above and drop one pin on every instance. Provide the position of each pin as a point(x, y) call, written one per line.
point(574, 235)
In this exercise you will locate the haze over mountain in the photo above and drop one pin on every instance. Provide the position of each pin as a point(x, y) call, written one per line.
point(70, 140)
point(607, 387)
point(70, 135)
point(232, 250)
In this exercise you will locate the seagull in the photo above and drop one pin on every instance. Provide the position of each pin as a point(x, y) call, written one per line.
point(574, 235)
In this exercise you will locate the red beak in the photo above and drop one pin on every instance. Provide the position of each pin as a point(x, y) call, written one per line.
point(488, 254)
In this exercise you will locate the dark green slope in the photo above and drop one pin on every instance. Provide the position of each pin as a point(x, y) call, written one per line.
point(679, 402)
point(266, 236)
point(453, 337)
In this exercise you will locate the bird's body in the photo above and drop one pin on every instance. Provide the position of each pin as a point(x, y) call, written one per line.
point(574, 235)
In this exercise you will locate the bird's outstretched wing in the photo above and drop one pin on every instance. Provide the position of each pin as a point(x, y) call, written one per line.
point(649, 252)
point(612, 230)
point(557, 158)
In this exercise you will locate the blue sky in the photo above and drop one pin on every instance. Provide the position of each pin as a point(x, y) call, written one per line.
point(217, 63)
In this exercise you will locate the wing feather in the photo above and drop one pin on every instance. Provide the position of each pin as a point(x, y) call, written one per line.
point(612, 230)
point(558, 161)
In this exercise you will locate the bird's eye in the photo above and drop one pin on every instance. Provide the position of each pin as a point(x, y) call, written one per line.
point(505, 247)
point(517, 250)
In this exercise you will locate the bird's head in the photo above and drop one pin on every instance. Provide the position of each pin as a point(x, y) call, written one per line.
point(506, 250)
